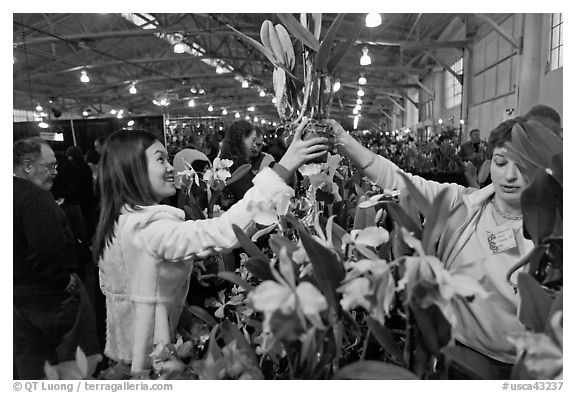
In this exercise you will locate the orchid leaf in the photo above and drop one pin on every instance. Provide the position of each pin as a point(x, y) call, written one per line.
point(299, 31)
point(421, 201)
point(475, 364)
point(317, 18)
point(525, 146)
point(326, 45)
point(556, 168)
point(371, 369)
point(539, 202)
point(231, 333)
point(367, 252)
point(248, 246)
point(265, 51)
point(527, 166)
point(235, 279)
point(435, 330)
point(386, 340)
point(544, 138)
point(484, 171)
point(343, 47)
point(535, 303)
point(277, 242)
point(337, 232)
point(436, 221)
point(213, 348)
point(401, 218)
point(203, 315)
point(259, 268)
point(263, 231)
point(328, 270)
point(238, 173)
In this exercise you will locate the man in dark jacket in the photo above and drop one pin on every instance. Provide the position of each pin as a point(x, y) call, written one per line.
point(52, 313)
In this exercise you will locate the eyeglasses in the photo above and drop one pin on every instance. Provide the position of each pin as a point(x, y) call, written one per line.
point(50, 166)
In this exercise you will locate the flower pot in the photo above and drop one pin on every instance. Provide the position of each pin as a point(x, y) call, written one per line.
point(317, 129)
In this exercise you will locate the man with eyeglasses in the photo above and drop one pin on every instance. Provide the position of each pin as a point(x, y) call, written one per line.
point(52, 314)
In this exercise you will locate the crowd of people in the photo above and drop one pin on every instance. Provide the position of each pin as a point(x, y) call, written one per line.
point(121, 209)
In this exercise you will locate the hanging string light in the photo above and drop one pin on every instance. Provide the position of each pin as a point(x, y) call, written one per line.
point(237, 115)
point(373, 20)
point(365, 59)
point(362, 80)
point(360, 93)
point(210, 108)
point(359, 101)
point(262, 93)
point(191, 103)
point(245, 84)
point(224, 112)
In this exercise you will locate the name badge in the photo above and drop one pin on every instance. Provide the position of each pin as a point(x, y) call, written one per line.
point(502, 239)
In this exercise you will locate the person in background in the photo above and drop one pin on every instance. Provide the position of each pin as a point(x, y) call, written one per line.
point(93, 155)
point(468, 243)
point(259, 159)
point(278, 144)
point(546, 116)
point(51, 311)
point(145, 250)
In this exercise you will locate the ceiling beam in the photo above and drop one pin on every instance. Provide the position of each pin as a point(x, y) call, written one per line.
point(414, 45)
point(459, 77)
point(499, 30)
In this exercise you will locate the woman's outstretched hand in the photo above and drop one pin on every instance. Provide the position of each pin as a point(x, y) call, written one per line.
point(300, 152)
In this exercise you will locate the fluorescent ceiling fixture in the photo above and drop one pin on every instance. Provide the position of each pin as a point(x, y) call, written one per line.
point(179, 47)
point(373, 20)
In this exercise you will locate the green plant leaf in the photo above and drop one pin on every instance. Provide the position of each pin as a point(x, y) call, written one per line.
point(526, 147)
point(557, 163)
point(265, 51)
point(343, 47)
point(299, 31)
point(337, 233)
point(401, 218)
point(435, 221)
point(546, 141)
point(535, 303)
point(82, 362)
point(259, 268)
point(277, 242)
point(231, 333)
point(238, 173)
point(328, 270)
point(326, 44)
point(484, 171)
point(371, 369)
point(203, 315)
point(235, 279)
point(247, 244)
point(50, 371)
point(435, 330)
point(476, 365)
point(386, 340)
point(213, 348)
point(421, 201)
point(539, 204)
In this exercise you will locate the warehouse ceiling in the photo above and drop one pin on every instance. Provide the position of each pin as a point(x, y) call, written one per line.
point(120, 50)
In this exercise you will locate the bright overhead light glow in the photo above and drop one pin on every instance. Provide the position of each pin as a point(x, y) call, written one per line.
point(262, 93)
point(84, 113)
point(84, 77)
point(360, 93)
point(365, 59)
point(274, 124)
point(224, 112)
point(245, 84)
point(179, 47)
point(191, 103)
point(336, 86)
point(255, 119)
point(237, 115)
point(42, 124)
point(263, 121)
point(461, 121)
point(193, 90)
point(362, 80)
point(359, 101)
point(130, 123)
point(210, 108)
point(201, 91)
point(358, 107)
point(274, 100)
point(440, 121)
point(133, 89)
point(39, 108)
point(247, 117)
point(113, 111)
point(373, 20)
point(251, 109)
point(356, 119)
point(219, 70)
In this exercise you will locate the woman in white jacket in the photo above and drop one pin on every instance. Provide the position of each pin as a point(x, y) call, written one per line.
point(145, 250)
point(483, 238)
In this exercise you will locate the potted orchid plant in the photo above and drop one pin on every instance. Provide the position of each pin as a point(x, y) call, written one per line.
point(308, 92)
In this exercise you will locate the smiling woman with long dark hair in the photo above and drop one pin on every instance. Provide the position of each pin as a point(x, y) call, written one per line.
point(145, 250)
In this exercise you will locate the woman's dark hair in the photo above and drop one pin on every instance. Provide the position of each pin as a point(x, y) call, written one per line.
point(233, 143)
point(502, 133)
point(122, 180)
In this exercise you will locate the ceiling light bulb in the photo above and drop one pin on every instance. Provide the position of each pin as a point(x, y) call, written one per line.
point(440, 121)
point(355, 111)
point(263, 121)
point(360, 93)
point(191, 103)
point(133, 89)
point(119, 116)
point(359, 101)
point(336, 86)
point(39, 108)
point(84, 113)
point(247, 118)
point(251, 109)
point(167, 122)
point(273, 124)
point(358, 107)
point(237, 115)
point(210, 108)
point(224, 112)
point(356, 119)
point(84, 77)
point(373, 20)
point(219, 70)
point(274, 100)
point(262, 93)
point(362, 80)
point(193, 90)
point(130, 123)
point(113, 111)
point(179, 47)
point(163, 102)
point(42, 124)
point(365, 59)
point(245, 84)
point(201, 91)
point(462, 121)
point(255, 119)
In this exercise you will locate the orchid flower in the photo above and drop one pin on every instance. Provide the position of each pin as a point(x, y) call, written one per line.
point(189, 173)
point(269, 215)
point(285, 296)
point(221, 303)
